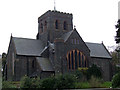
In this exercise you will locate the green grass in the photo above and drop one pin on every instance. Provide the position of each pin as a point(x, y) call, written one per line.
point(82, 85)
point(106, 84)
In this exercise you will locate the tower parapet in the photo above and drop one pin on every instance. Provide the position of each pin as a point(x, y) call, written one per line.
point(53, 24)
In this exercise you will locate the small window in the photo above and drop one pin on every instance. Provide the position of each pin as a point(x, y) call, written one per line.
point(56, 24)
point(33, 64)
point(65, 25)
point(41, 27)
point(72, 41)
point(77, 41)
point(45, 24)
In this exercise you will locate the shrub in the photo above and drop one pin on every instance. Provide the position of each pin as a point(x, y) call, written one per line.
point(7, 84)
point(48, 82)
point(25, 82)
point(94, 71)
point(94, 82)
point(35, 83)
point(106, 85)
point(79, 75)
point(65, 81)
point(116, 80)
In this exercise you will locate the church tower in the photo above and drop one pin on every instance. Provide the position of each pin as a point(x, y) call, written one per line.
point(53, 24)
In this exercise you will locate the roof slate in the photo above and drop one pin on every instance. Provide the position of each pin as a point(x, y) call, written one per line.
point(33, 47)
point(98, 50)
point(26, 46)
point(44, 64)
point(66, 35)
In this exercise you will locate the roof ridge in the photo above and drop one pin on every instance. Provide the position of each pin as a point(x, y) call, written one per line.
point(65, 34)
point(93, 43)
point(24, 38)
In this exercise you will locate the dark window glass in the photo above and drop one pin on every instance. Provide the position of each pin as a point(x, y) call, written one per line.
point(79, 60)
point(69, 60)
point(65, 25)
point(82, 61)
point(33, 64)
point(76, 59)
point(56, 24)
point(45, 24)
point(41, 27)
point(72, 60)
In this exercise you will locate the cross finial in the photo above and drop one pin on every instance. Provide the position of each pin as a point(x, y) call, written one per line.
point(54, 6)
point(74, 27)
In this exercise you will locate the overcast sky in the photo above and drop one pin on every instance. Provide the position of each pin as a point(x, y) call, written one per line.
point(94, 19)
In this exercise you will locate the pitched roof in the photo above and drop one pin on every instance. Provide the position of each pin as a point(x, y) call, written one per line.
point(98, 50)
point(44, 63)
point(66, 35)
point(26, 46)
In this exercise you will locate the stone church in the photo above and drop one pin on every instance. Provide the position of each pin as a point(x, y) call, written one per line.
point(58, 48)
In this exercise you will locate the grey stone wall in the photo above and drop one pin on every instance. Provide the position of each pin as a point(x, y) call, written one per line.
point(105, 66)
point(9, 73)
point(50, 17)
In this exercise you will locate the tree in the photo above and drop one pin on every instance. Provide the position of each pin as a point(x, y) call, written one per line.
point(117, 37)
point(4, 57)
point(115, 60)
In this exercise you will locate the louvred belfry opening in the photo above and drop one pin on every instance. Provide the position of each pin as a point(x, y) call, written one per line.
point(76, 59)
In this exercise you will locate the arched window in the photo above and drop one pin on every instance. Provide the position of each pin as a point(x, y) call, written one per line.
point(76, 59)
point(45, 24)
point(41, 27)
point(56, 24)
point(72, 58)
point(65, 25)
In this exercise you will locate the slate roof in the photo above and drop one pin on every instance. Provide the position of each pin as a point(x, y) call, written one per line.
point(66, 35)
point(33, 47)
point(98, 50)
point(30, 47)
point(44, 63)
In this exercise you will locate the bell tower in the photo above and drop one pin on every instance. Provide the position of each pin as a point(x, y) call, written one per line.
point(53, 24)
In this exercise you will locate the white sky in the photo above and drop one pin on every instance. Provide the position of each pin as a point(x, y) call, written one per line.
point(95, 20)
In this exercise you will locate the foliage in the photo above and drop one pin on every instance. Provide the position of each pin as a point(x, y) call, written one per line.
point(79, 75)
point(4, 59)
point(7, 84)
point(94, 71)
point(106, 85)
point(82, 85)
point(117, 37)
point(114, 57)
point(27, 82)
point(48, 83)
point(35, 82)
point(116, 80)
point(94, 82)
point(65, 81)
point(60, 81)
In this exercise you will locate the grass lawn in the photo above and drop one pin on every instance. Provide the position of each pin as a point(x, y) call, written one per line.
point(106, 85)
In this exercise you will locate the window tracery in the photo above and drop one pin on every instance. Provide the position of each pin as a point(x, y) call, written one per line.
point(76, 59)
